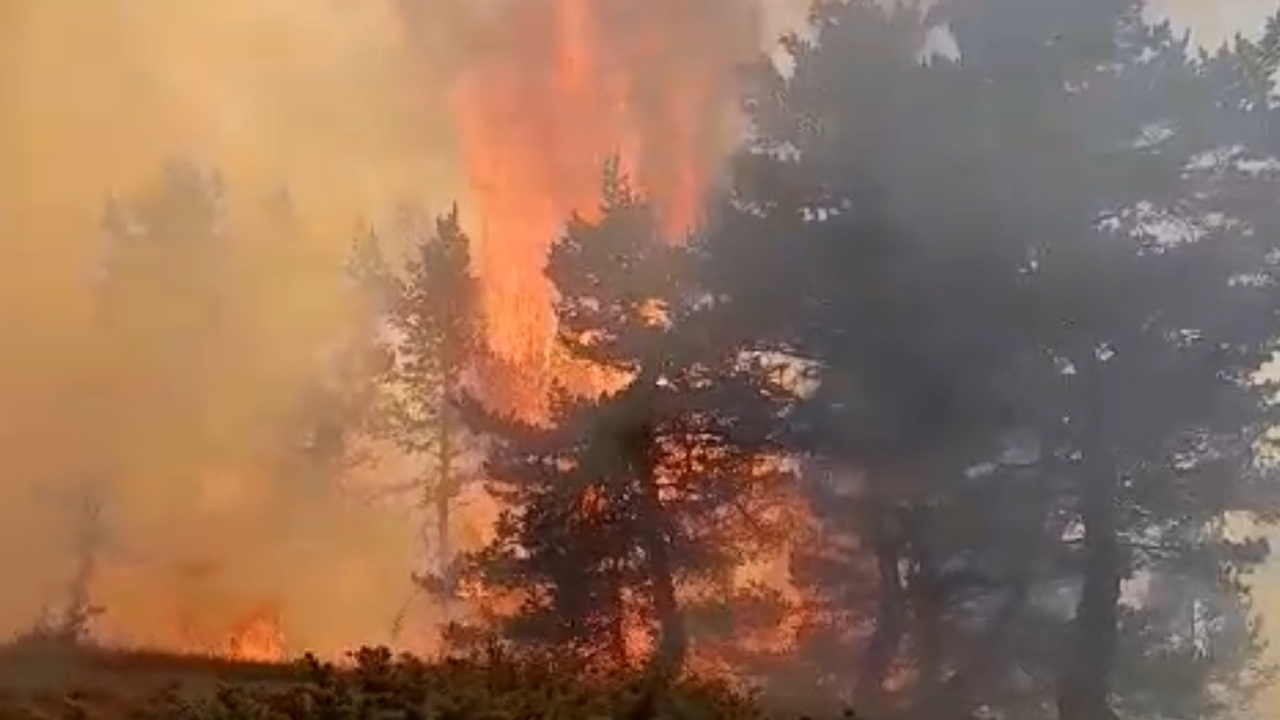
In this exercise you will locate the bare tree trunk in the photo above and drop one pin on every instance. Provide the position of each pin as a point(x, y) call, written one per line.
point(928, 600)
point(618, 621)
point(891, 606)
point(961, 693)
point(444, 539)
point(75, 624)
point(639, 447)
point(1086, 684)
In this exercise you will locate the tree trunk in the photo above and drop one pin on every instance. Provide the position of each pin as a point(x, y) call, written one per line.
point(618, 619)
point(961, 694)
point(890, 614)
point(928, 599)
point(1086, 683)
point(673, 640)
point(444, 549)
point(446, 489)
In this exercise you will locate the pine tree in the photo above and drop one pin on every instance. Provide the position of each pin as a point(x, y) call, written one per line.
point(1155, 337)
point(156, 301)
point(845, 245)
point(434, 324)
point(628, 498)
point(964, 250)
point(339, 405)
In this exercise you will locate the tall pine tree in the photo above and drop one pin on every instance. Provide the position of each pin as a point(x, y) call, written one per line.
point(630, 498)
point(435, 328)
point(964, 249)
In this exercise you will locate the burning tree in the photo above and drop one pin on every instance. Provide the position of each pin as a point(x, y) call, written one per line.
point(629, 498)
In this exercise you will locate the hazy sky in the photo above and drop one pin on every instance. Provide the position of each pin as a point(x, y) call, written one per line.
point(1213, 20)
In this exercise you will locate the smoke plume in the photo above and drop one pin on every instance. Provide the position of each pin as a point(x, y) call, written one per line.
point(97, 96)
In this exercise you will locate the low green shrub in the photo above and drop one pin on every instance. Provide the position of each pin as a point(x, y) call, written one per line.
point(377, 685)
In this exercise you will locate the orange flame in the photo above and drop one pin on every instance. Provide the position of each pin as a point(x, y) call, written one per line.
point(553, 88)
point(258, 637)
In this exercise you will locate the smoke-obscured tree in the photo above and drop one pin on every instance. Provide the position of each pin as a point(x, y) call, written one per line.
point(848, 244)
point(1154, 295)
point(968, 251)
point(160, 312)
point(80, 610)
point(158, 286)
point(156, 301)
point(629, 498)
point(71, 623)
point(340, 402)
point(435, 331)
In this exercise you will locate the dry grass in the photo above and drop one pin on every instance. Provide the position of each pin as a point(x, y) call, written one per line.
point(56, 680)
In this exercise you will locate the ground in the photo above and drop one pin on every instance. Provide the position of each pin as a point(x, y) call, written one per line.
point(50, 680)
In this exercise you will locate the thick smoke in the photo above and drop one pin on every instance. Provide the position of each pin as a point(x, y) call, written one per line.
point(97, 95)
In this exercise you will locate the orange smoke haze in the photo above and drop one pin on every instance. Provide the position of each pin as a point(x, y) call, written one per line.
point(508, 106)
point(316, 95)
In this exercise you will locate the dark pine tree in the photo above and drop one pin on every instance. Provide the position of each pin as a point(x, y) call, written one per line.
point(631, 497)
point(1030, 388)
point(860, 238)
point(1153, 296)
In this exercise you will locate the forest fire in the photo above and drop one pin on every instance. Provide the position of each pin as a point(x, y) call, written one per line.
point(549, 92)
point(947, 390)
point(544, 94)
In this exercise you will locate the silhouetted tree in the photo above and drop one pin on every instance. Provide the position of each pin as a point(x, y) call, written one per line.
point(629, 497)
point(434, 325)
point(847, 244)
point(1139, 304)
point(1021, 379)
